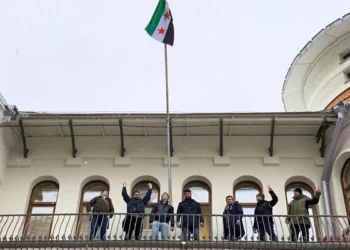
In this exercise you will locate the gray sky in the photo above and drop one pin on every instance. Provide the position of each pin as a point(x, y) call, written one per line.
point(93, 55)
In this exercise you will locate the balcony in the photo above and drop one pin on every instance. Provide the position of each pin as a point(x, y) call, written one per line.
point(73, 230)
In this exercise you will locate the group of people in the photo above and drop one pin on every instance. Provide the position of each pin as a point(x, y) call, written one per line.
point(189, 215)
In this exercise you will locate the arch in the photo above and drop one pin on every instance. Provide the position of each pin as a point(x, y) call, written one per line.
point(302, 180)
point(198, 178)
point(305, 186)
point(248, 178)
point(42, 200)
point(140, 184)
point(92, 188)
point(202, 193)
point(93, 178)
point(345, 183)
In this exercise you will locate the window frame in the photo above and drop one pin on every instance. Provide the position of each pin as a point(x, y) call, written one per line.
point(307, 187)
point(82, 204)
point(345, 189)
point(32, 204)
point(246, 183)
point(142, 183)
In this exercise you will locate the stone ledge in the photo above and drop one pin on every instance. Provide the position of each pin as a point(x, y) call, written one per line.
point(222, 161)
point(73, 162)
point(122, 161)
point(273, 161)
point(175, 161)
point(19, 163)
point(319, 162)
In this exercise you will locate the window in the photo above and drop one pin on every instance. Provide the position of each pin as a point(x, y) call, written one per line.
point(89, 191)
point(308, 191)
point(345, 181)
point(245, 192)
point(42, 201)
point(201, 193)
point(142, 187)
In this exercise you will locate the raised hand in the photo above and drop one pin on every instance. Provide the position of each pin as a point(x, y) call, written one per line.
point(124, 184)
point(318, 190)
point(269, 187)
point(150, 185)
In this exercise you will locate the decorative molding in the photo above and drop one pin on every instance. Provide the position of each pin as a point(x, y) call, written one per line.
point(221, 161)
point(271, 161)
point(120, 161)
point(19, 163)
point(73, 162)
point(319, 162)
point(175, 161)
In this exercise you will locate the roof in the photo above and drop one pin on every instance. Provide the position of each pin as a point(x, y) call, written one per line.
point(293, 83)
point(190, 124)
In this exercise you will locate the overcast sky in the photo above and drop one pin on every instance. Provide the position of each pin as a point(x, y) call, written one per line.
point(94, 55)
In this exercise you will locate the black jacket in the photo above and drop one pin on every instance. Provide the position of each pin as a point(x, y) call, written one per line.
point(100, 205)
point(190, 213)
point(264, 207)
point(136, 205)
point(158, 210)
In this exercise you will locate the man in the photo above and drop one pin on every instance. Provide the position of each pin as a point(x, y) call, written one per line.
point(136, 206)
point(232, 219)
point(100, 205)
point(263, 221)
point(160, 216)
point(190, 213)
point(298, 208)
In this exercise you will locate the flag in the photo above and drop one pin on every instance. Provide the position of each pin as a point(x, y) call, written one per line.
point(161, 27)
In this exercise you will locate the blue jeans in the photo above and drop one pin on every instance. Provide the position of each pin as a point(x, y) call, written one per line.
point(163, 227)
point(190, 229)
point(98, 221)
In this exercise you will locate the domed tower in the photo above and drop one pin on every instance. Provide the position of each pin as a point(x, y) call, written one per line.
point(319, 76)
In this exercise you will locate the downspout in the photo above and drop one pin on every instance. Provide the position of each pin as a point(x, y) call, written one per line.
point(340, 109)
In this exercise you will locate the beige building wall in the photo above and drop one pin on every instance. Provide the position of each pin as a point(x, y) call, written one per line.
point(195, 158)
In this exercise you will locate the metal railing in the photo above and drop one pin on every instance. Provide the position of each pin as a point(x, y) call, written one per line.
point(163, 231)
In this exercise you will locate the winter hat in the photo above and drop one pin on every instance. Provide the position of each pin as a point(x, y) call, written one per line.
point(298, 190)
point(261, 195)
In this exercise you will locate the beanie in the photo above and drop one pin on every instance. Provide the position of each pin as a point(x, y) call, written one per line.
point(298, 190)
point(261, 195)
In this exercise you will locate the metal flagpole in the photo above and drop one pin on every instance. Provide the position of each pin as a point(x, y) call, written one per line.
point(168, 124)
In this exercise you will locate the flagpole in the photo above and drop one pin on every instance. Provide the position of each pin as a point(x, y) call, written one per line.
point(168, 123)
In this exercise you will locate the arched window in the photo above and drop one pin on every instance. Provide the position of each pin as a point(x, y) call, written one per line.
point(142, 187)
point(245, 192)
point(88, 192)
point(201, 193)
point(42, 201)
point(345, 181)
point(308, 191)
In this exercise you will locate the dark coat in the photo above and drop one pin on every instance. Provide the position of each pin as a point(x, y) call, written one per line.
point(263, 210)
point(190, 213)
point(100, 205)
point(158, 210)
point(136, 205)
point(232, 215)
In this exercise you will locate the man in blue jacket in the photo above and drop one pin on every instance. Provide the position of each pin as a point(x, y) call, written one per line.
point(190, 213)
point(136, 206)
point(263, 221)
point(232, 219)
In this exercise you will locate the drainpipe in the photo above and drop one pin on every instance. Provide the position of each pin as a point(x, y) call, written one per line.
point(340, 109)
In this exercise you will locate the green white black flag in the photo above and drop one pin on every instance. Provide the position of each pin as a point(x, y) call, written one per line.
point(161, 27)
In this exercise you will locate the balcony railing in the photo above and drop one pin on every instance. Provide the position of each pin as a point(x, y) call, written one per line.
point(77, 230)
